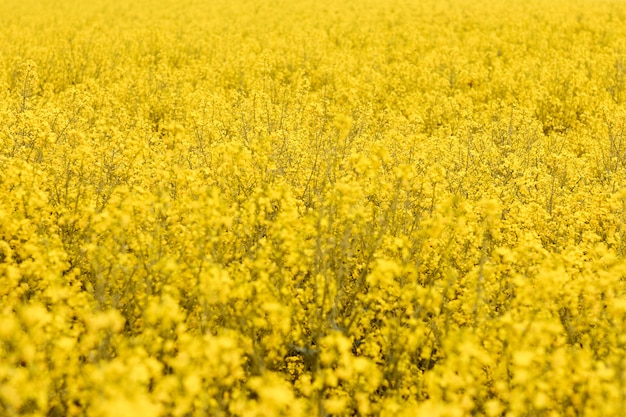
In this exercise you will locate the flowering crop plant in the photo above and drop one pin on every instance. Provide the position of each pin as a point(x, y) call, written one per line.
point(312, 208)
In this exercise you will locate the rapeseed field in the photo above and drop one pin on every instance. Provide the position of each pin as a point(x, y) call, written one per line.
point(312, 208)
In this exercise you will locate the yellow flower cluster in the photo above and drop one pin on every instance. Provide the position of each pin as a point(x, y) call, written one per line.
point(312, 208)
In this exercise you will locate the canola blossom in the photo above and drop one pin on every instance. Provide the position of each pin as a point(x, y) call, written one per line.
point(312, 208)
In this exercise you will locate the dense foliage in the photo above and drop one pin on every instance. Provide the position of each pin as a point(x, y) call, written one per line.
point(312, 208)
